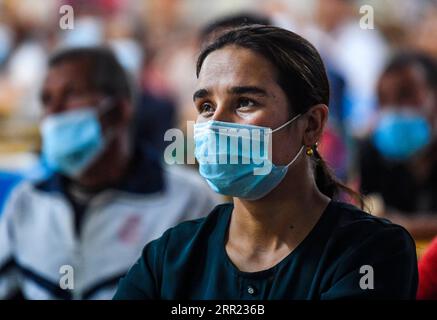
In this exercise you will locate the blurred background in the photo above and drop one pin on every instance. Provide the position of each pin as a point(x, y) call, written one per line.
point(383, 82)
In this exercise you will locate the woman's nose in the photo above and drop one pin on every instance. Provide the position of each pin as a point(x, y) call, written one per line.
point(223, 113)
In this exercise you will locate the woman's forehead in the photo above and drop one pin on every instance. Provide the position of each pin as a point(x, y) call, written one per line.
point(234, 65)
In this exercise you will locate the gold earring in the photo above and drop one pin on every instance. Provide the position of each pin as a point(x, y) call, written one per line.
point(309, 151)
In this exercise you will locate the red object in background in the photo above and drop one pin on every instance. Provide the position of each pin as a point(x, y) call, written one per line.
point(333, 150)
point(428, 273)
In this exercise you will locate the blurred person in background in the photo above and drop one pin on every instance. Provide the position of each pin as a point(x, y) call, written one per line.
point(23, 61)
point(221, 25)
point(113, 24)
point(156, 110)
point(107, 197)
point(398, 162)
point(356, 55)
point(22, 67)
point(422, 35)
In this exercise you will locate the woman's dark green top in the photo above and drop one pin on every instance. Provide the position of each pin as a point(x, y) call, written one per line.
point(348, 254)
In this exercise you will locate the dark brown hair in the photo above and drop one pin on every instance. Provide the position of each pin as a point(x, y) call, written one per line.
point(105, 74)
point(300, 73)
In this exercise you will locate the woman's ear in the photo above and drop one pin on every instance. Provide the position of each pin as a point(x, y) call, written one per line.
point(316, 119)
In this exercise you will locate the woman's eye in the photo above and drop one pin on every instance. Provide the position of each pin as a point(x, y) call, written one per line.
point(206, 108)
point(245, 103)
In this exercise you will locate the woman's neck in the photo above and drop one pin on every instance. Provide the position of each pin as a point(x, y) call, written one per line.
point(270, 221)
point(274, 225)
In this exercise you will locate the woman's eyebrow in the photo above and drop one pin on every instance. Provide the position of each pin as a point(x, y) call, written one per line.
point(201, 93)
point(248, 90)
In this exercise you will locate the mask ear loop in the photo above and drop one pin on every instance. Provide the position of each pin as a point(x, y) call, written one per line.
point(301, 148)
point(287, 123)
point(295, 157)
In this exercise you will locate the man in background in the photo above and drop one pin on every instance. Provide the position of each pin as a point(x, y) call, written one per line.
point(73, 235)
point(398, 160)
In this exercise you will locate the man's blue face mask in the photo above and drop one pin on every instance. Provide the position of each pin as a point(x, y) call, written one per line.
point(72, 140)
point(399, 135)
point(235, 159)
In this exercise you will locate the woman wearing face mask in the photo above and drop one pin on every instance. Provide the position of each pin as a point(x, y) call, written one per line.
point(398, 160)
point(262, 100)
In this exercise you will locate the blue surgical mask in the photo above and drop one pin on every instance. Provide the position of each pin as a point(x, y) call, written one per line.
point(72, 140)
point(399, 134)
point(235, 159)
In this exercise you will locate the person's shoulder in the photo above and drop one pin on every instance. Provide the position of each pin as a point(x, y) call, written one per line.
point(21, 192)
point(350, 216)
point(189, 231)
point(359, 243)
point(359, 226)
point(25, 199)
point(18, 206)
